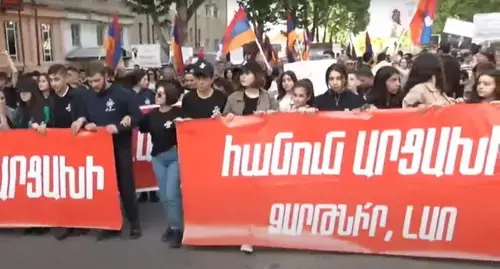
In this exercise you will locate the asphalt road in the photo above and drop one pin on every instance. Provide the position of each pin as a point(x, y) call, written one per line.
point(44, 252)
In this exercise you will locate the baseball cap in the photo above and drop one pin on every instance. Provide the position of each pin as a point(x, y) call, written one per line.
point(252, 67)
point(202, 68)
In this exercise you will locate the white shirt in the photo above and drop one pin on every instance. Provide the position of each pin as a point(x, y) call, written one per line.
point(380, 65)
point(286, 103)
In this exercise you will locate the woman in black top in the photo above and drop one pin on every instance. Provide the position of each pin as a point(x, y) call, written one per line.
point(337, 97)
point(386, 91)
point(30, 105)
point(159, 123)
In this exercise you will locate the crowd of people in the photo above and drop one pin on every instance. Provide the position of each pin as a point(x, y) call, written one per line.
point(65, 97)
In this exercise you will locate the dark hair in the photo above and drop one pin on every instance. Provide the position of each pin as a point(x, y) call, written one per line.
point(381, 57)
point(224, 84)
point(424, 67)
point(35, 104)
point(46, 76)
point(464, 75)
point(495, 74)
point(134, 78)
point(481, 68)
point(337, 68)
point(308, 85)
point(226, 71)
point(379, 96)
point(35, 73)
point(155, 75)
point(82, 70)
point(281, 90)
point(57, 69)
point(400, 53)
point(451, 70)
point(172, 91)
point(259, 82)
point(445, 47)
point(72, 69)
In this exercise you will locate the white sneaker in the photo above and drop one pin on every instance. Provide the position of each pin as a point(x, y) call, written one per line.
point(246, 248)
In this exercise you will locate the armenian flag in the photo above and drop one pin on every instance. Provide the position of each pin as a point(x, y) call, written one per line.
point(291, 37)
point(238, 32)
point(421, 23)
point(177, 47)
point(368, 45)
point(307, 45)
point(113, 43)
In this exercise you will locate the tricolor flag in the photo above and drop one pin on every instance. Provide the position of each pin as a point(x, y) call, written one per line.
point(177, 47)
point(421, 23)
point(113, 43)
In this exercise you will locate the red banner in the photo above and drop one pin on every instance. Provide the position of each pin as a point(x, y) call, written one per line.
point(55, 181)
point(143, 171)
point(391, 182)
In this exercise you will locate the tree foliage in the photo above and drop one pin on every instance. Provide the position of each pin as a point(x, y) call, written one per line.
point(337, 18)
point(463, 10)
point(159, 10)
point(260, 12)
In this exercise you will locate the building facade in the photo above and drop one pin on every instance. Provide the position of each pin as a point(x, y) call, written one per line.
point(207, 26)
point(45, 32)
point(32, 37)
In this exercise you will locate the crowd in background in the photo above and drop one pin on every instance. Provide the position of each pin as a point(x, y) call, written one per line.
point(66, 97)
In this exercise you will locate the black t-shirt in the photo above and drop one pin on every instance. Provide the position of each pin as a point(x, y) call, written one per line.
point(198, 108)
point(64, 109)
point(145, 97)
point(161, 127)
point(250, 105)
point(331, 101)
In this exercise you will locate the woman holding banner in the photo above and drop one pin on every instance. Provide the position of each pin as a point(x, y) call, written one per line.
point(159, 123)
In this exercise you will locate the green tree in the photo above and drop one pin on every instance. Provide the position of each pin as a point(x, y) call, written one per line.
point(463, 10)
point(337, 18)
point(259, 13)
point(159, 11)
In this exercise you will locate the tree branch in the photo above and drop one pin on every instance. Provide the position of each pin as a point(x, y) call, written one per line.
point(193, 7)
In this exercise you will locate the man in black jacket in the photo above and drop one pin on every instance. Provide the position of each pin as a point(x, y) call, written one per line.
point(106, 106)
point(59, 112)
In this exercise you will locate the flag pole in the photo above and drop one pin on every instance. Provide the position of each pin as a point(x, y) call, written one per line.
point(260, 48)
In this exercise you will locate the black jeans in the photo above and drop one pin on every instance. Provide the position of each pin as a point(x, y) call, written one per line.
point(126, 184)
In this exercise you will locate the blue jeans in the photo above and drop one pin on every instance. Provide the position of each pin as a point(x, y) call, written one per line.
point(166, 169)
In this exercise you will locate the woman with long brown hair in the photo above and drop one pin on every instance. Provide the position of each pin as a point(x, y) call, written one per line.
point(487, 88)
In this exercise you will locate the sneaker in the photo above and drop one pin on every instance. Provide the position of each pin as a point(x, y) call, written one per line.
point(80, 232)
point(107, 234)
point(176, 241)
point(246, 248)
point(143, 197)
point(40, 231)
point(153, 197)
point(62, 233)
point(135, 233)
point(167, 235)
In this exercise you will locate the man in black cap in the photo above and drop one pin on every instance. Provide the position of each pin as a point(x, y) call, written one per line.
point(204, 102)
